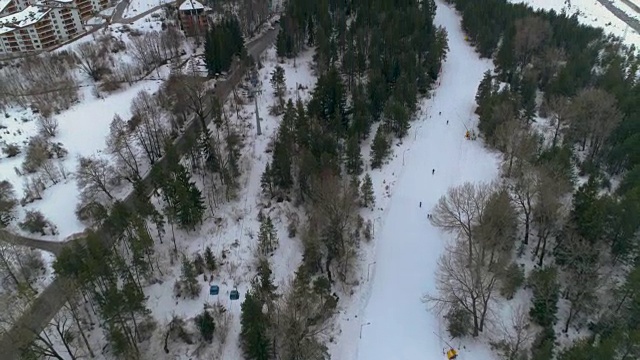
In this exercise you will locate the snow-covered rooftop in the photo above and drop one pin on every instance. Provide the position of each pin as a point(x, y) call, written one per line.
point(191, 5)
point(21, 19)
point(4, 4)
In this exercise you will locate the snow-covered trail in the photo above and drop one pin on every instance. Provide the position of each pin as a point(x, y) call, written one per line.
point(408, 247)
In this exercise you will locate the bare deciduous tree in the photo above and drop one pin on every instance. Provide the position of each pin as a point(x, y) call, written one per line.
point(335, 216)
point(252, 13)
point(461, 209)
point(532, 33)
point(19, 266)
point(523, 190)
point(8, 202)
point(91, 58)
point(297, 336)
point(147, 127)
point(33, 188)
point(95, 175)
point(517, 143)
point(37, 154)
point(171, 42)
point(496, 231)
point(546, 212)
point(48, 126)
point(50, 171)
point(463, 285)
point(558, 111)
point(192, 92)
point(147, 50)
point(580, 260)
point(120, 145)
point(58, 332)
point(45, 82)
point(514, 337)
point(593, 116)
point(550, 63)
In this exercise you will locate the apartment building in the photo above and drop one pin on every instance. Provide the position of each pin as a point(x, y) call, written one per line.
point(27, 26)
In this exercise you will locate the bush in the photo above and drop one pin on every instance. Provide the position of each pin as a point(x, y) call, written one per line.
point(48, 126)
point(91, 212)
point(512, 281)
point(35, 222)
point(368, 230)
point(292, 227)
point(32, 265)
point(198, 264)
point(177, 289)
point(458, 322)
point(206, 325)
point(11, 150)
point(37, 154)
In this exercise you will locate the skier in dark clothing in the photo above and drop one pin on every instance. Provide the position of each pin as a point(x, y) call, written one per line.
point(420, 203)
point(433, 171)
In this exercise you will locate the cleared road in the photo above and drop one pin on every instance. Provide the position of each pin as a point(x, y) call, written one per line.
point(632, 22)
point(51, 300)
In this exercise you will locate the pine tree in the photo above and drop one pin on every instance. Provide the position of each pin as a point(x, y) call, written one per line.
point(254, 338)
point(209, 259)
point(355, 185)
point(528, 92)
point(281, 165)
point(279, 85)
point(367, 196)
point(485, 89)
point(546, 292)
point(588, 212)
point(266, 181)
point(379, 148)
point(187, 201)
point(268, 237)
point(396, 118)
point(206, 325)
point(353, 157)
point(264, 285)
point(208, 153)
point(188, 278)
point(223, 42)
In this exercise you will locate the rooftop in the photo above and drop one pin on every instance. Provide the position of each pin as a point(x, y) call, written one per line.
point(189, 5)
point(21, 19)
point(4, 4)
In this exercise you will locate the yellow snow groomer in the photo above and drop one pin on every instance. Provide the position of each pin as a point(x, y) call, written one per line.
point(452, 354)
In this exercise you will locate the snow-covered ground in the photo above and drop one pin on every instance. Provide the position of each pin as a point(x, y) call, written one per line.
point(108, 11)
point(592, 12)
point(233, 232)
point(388, 314)
point(82, 131)
point(137, 7)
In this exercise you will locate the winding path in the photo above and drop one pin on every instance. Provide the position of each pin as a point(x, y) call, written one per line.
point(54, 296)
